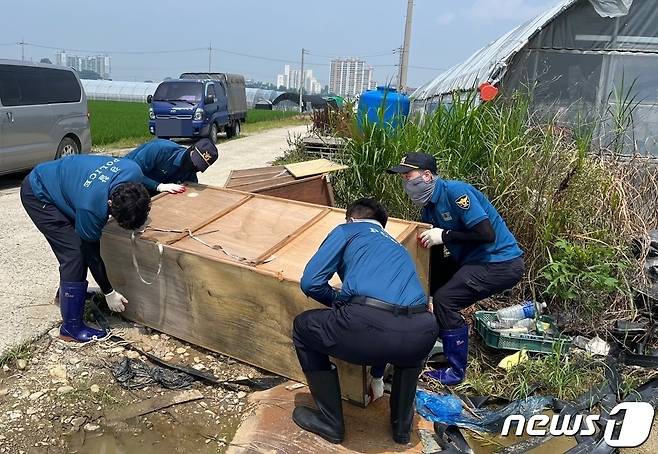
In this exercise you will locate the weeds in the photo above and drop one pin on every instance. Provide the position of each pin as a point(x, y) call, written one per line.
point(559, 375)
point(23, 351)
point(560, 200)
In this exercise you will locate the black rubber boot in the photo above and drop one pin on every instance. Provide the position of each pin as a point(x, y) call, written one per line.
point(326, 422)
point(403, 396)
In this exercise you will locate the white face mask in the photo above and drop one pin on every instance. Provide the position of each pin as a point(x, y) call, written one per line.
point(419, 190)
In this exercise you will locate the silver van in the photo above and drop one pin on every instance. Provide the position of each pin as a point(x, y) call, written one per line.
point(43, 114)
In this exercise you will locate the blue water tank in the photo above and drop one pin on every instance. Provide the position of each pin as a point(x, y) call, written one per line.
point(384, 105)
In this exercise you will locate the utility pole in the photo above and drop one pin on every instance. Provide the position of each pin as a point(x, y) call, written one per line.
point(209, 57)
point(22, 43)
point(301, 83)
point(402, 81)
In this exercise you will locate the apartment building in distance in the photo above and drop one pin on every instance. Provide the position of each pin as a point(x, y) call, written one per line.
point(350, 77)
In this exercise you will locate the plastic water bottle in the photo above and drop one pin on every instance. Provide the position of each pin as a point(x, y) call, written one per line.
point(518, 311)
point(526, 323)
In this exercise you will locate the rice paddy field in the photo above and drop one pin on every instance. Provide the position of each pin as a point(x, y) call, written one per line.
point(117, 123)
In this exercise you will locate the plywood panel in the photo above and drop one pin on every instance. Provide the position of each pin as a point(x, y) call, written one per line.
point(313, 167)
point(227, 308)
point(251, 229)
point(186, 210)
point(258, 177)
point(292, 258)
point(244, 174)
point(315, 190)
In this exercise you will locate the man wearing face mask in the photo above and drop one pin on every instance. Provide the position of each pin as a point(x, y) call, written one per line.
point(485, 258)
point(166, 164)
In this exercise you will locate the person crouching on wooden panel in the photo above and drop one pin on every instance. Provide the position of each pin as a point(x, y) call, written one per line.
point(166, 164)
point(69, 201)
point(379, 316)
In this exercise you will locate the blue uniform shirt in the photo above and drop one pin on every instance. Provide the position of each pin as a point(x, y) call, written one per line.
point(80, 186)
point(456, 205)
point(161, 161)
point(369, 262)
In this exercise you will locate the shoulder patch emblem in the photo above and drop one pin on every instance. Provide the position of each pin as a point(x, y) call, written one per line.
point(463, 202)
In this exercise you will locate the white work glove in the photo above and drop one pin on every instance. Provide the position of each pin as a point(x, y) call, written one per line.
point(116, 301)
point(431, 237)
point(171, 188)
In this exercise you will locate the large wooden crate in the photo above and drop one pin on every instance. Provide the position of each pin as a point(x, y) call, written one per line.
point(230, 268)
point(278, 182)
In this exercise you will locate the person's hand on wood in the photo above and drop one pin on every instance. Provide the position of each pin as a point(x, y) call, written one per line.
point(432, 237)
point(116, 301)
point(171, 188)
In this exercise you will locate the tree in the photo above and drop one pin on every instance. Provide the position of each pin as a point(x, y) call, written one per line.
point(92, 75)
point(46, 60)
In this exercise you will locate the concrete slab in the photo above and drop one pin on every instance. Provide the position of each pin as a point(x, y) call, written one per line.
point(270, 427)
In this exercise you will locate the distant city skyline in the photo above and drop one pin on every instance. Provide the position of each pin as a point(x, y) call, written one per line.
point(100, 64)
point(291, 77)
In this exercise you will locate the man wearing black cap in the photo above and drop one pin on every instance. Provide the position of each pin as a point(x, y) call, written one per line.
point(484, 254)
point(167, 164)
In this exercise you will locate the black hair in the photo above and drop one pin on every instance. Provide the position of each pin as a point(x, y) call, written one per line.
point(367, 208)
point(130, 205)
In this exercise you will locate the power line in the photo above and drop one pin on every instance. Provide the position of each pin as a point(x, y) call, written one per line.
point(126, 52)
point(386, 54)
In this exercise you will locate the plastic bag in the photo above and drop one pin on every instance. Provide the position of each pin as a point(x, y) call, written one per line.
point(438, 408)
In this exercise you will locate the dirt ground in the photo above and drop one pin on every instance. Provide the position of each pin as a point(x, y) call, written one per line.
point(62, 397)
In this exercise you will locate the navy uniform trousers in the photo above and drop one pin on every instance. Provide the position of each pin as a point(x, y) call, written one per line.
point(455, 287)
point(363, 335)
point(60, 233)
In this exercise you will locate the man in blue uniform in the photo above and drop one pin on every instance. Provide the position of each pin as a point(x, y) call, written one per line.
point(485, 258)
point(69, 201)
point(379, 316)
point(166, 164)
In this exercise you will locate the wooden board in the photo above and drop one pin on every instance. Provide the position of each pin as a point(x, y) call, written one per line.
point(243, 310)
point(251, 229)
point(293, 257)
point(278, 182)
point(237, 179)
point(316, 190)
point(186, 211)
point(314, 167)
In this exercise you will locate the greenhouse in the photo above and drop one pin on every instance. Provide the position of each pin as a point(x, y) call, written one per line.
point(116, 90)
point(582, 59)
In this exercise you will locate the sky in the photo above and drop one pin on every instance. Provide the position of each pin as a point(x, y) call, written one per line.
point(151, 40)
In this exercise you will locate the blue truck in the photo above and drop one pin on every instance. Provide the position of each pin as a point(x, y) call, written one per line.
point(198, 105)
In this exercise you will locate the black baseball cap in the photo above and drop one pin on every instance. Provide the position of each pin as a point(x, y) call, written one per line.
point(415, 161)
point(203, 154)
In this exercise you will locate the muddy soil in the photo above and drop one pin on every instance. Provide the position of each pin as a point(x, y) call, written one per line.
point(59, 399)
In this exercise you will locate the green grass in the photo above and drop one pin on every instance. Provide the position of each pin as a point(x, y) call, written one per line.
point(23, 351)
point(559, 375)
point(113, 121)
point(257, 116)
point(117, 124)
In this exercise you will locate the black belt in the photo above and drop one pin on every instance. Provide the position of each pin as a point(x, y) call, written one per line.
point(379, 304)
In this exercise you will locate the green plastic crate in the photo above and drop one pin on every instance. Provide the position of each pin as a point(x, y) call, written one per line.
point(518, 341)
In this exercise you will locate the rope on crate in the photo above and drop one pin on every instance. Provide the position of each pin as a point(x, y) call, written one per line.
point(215, 247)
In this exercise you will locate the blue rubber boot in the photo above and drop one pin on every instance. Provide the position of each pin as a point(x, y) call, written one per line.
point(455, 349)
point(72, 296)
